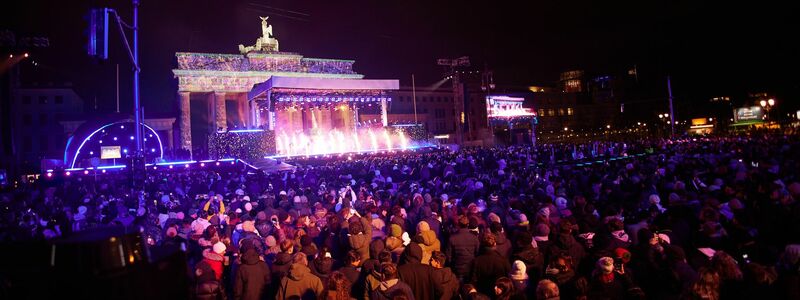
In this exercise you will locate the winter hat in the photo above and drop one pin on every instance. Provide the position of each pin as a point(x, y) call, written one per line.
point(605, 265)
point(219, 248)
point(246, 198)
point(518, 271)
point(282, 193)
point(654, 199)
point(248, 206)
point(395, 230)
point(444, 197)
point(248, 226)
point(561, 203)
point(494, 218)
point(523, 220)
point(239, 192)
point(82, 210)
point(423, 226)
point(238, 211)
point(542, 230)
point(494, 197)
point(481, 205)
point(180, 215)
point(623, 255)
point(544, 212)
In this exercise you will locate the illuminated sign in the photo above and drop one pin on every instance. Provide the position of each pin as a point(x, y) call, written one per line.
point(506, 107)
point(699, 121)
point(752, 113)
point(110, 152)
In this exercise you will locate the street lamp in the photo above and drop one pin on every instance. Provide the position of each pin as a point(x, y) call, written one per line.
point(767, 105)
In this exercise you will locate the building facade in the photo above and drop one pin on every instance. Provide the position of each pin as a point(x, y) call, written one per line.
point(36, 132)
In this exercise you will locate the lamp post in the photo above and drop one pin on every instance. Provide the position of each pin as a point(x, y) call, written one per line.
point(767, 105)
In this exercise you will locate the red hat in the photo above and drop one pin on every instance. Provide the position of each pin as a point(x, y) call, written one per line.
point(622, 254)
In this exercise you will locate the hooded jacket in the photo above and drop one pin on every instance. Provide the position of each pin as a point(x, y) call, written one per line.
point(387, 289)
point(360, 243)
point(429, 243)
point(215, 261)
point(418, 276)
point(252, 277)
point(280, 267)
point(299, 282)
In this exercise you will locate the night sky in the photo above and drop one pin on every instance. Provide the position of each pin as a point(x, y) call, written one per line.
point(709, 48)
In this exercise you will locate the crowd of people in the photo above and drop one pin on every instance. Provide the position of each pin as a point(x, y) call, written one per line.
point(714, 218)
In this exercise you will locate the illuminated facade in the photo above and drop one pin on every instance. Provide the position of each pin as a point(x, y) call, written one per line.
point(221, 83)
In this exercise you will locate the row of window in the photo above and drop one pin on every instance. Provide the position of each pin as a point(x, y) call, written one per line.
point(43, 100)
point(551, 112)
point(44, 143)
point(44, 119)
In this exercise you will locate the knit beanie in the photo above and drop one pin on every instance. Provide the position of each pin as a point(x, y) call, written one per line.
point(518, 271)
point(219, 248)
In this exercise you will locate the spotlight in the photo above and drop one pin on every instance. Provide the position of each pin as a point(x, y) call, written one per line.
point(26, 55)
point(85, 172)
point(11, 56)
point(49, 174)
point(186, 165)
point(154, 167)
point(171, 166)
point(68, 173)
point(104, 170)
point(218, 163)
point(202, 164)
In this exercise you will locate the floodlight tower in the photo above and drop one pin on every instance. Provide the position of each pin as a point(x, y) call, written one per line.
point(452, 66)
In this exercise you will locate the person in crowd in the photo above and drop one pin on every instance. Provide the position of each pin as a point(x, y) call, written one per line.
point(462, 248)
point(443, 277)
point(252, 277)
point(299, 282)
point(547, 290)
point(489, 266)
point(337, 288)
point(391, 286)
point(417, 275)
point(207, 286)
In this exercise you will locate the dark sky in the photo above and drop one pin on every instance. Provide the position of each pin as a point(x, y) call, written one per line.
point(708, 48)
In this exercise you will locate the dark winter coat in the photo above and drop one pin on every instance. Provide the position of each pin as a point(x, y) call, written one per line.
point(388, 289)
point(448, 282)
point(486, 268)
point(418, 276)
point(252, 277)
point(299, 282)
point(462, 247)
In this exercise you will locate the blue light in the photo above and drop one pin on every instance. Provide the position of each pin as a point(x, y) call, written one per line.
point(153, 150)
point(125, 150)
point(91, 152)
point(131, 138)
point(122, 126)
point(101, 141)
point(115, 138)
